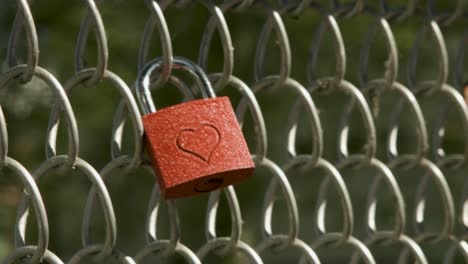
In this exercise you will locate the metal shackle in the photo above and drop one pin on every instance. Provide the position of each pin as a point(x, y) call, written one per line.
point(142, 85)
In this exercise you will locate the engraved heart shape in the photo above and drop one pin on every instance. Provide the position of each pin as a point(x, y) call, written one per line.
point(200, 142)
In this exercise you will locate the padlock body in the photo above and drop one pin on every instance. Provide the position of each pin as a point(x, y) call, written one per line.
point(197, 147)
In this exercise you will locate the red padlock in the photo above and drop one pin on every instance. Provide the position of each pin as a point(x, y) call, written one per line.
point(194, 147)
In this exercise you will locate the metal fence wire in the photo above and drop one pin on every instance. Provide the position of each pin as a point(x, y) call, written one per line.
point(356, 168)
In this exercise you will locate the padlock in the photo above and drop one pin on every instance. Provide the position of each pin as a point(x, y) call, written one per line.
point(196, 146)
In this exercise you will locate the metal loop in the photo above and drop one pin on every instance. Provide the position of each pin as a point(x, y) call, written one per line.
point(152, 217)
point(403, 258)
point(116, 255)
point(447, 199)
point(218, 21)
point(372, 204)
point(304, 100)
point(347, 9)
point(235, 213)
point(437, 176)
point(120, 163)
point(3, 139)
point(390, 64)
point(383, 173)
point(156, 19)
point(153, 206)
point(104, 199)
point(459, 63)
point(92, 16)
point(400, 13)
point(446, 18)
point(143, 81)
point(157, 247)
point(164, 4)
point(31, 190)
point(464, 208)
point(461, 246)
point(238, 5)
point(225, 242)
point(457, 101)
point(268, 203)
point(321, 205)
point(127, 98)
point(121, 113)
point(255, 113)
point(376, 88)
point(24, 18)
point(293, 8)
point(26, 251)
point(332, 238)
point(272, 242)
point(275, 22)
point(406, 241)
point(62, 100)
point(441, 49)
point(328, 22)
point(343, 130)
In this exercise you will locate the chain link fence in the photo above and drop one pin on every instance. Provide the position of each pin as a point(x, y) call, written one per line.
point(354, 112)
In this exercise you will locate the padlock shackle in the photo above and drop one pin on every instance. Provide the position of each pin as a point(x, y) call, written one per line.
point(142, 84)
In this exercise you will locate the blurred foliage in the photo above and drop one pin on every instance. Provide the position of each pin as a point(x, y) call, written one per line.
point(27, 109)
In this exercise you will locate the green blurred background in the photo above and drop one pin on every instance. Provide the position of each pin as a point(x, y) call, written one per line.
point(27, 109)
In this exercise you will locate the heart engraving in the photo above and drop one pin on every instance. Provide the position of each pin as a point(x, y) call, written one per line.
point(200, 142)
